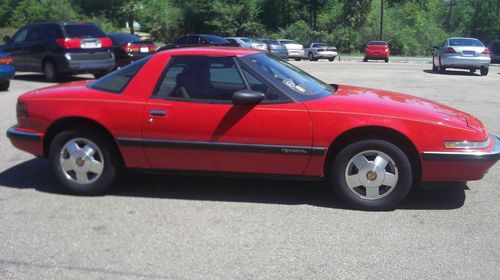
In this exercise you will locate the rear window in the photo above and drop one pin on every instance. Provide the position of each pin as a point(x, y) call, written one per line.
point(271, 42)
point(83, 31)
point(116, 82)
point(215, 39)
point(122, 39)
point(466, 42)
point(289, 42)
point(377, 43)
point(248, 40)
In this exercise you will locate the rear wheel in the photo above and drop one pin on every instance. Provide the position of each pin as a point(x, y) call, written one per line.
point(386, 60)
point(4, 86)
point(311, 56)
point(83, 161)
point(365, 59)
point(484, 71)
point(50, 71)
point(371, 175)
point(298, 59)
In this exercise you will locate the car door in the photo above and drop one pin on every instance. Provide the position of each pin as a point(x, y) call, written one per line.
point(34, 48)
point(190, 122)
point(16, 49)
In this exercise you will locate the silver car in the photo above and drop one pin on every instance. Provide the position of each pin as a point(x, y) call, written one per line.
point(462, 53)
point(248, 43)
point(295, 50)
point(275, 47)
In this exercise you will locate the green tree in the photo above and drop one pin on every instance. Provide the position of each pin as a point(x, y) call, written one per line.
point(28, 11)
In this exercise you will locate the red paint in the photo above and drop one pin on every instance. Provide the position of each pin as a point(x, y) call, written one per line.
point(377, 51)
point(315, 123)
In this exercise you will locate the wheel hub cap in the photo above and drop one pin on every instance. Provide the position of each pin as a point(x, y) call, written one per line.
point(372, 176)
point(81, 161)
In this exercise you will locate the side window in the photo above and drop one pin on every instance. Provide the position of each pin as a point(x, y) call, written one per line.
point(193, 40)
point(182, 40)
point(116, 82)
point(200, 78)
point(53, 31)
point(34, 34)
point(20, 35)
point(259, 85)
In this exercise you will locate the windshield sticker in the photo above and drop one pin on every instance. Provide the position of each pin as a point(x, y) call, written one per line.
point(301, 89)
point(289, 83)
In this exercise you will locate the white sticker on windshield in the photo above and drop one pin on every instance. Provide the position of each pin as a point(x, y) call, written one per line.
point(289, 83)
point(299, 88)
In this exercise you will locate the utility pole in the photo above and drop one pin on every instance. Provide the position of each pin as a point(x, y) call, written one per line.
point(381, 36)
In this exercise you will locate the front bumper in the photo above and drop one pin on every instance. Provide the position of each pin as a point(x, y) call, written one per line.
point(6, 72)
point(457, 61)
point(459, 166)
point(25, 140)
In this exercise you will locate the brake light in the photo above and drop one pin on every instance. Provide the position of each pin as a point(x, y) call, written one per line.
point(137, 47)
point(106, 42)
point(6, 60)
point(152, 48)
point(69, 43)
point(450, 50)
point(486, 51)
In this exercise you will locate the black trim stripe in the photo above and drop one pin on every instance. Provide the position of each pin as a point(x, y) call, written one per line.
point(14, 134)
point(221, 146)
point(492, 155)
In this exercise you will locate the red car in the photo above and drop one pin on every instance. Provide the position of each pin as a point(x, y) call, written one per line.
point(377, 50)
point(243, 112)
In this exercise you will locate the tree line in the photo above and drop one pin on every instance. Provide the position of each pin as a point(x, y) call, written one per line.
point(410, 26)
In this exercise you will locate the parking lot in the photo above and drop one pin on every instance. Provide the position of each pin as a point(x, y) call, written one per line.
point(177, 227)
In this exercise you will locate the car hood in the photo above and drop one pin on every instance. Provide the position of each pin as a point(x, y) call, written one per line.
point(365, 101)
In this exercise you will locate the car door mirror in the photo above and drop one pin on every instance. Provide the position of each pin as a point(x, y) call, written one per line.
point(7, 40)
point(247, 97)
point(435, 47)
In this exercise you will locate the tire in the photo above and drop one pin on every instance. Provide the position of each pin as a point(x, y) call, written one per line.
point(386, 60)
point(365, 59)
point(389, 185)
point(484, 71)
point(77, 172)
point(331, 59)
point(311, 56)
point(50, 71)
point(4, 86)
point(298, 59)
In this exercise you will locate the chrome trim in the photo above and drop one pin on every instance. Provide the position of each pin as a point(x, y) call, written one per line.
point(14, 134)
point(492, 155)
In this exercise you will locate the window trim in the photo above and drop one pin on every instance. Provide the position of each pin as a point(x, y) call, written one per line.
point(154, 93)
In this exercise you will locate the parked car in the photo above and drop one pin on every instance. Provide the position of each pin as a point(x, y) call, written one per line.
point(317, 51)
point(61, 48)
point(377, 50)
point(275, 47)
point(197, 40)
point(495, 51)
point(7, 71)
point(294, 49)
point(129, 48)
point(241, 111)
point(462, 53)
point(247, 43)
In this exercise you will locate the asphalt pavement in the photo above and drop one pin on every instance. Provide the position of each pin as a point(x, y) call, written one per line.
point(177, 227)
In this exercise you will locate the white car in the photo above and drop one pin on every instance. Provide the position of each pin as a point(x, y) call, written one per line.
point(295, 50)
point(247, 43)
point(319, 50)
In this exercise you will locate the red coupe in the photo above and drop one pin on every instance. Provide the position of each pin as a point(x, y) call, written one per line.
point(241, 111)
point(377, 50)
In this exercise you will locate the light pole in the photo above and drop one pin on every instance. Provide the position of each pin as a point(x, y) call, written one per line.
point(381, 35)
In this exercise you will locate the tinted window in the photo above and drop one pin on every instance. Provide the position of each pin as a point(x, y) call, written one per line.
point(377, 43)
point(201, 78)
point(122, 39)
point(117, 81)
point(256, 83)
point(52, 31)
point(34, 34)
point(83, 31)
point(287, 77)
point(20, 35)
point(466, 42)
point(214, 39)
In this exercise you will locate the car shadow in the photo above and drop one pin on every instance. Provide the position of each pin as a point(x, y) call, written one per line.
point(453, 73)
point(41, 79)
point(436, 197)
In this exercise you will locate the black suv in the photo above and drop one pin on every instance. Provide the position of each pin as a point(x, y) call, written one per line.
point(495, 51)
point(199, 40)
point(61, 48)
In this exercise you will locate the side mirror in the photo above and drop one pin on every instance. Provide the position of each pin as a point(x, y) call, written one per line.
point(7, 39)
point(247, 97)
point(435, 47)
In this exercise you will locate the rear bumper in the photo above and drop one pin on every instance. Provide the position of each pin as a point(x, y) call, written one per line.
point(296, 54)
point(326, 54)
point(459, 166)
point(465, 62)
point(376, 55)
point(25, 140)
point(6, 72)
point(72, 63)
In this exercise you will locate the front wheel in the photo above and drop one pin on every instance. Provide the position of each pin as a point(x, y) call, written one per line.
point(371, 175)
point(311, 56)
point(331, 59)
point(386, 60)
point(50, 71)
point(83, 161)
point(4, 86)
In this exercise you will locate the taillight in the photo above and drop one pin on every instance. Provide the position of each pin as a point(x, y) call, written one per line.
point(6, 60)
point(106, 42)
point(450, 50)
point(486, 51)
point(69, 43)
point(152, 48)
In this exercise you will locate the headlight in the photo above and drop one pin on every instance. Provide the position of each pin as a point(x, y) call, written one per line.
point(467, 144)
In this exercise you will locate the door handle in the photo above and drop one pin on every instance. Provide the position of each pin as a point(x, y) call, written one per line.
point(157, 113)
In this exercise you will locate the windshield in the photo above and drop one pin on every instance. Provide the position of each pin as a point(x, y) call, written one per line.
point(300, 85)
point(466, 42)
